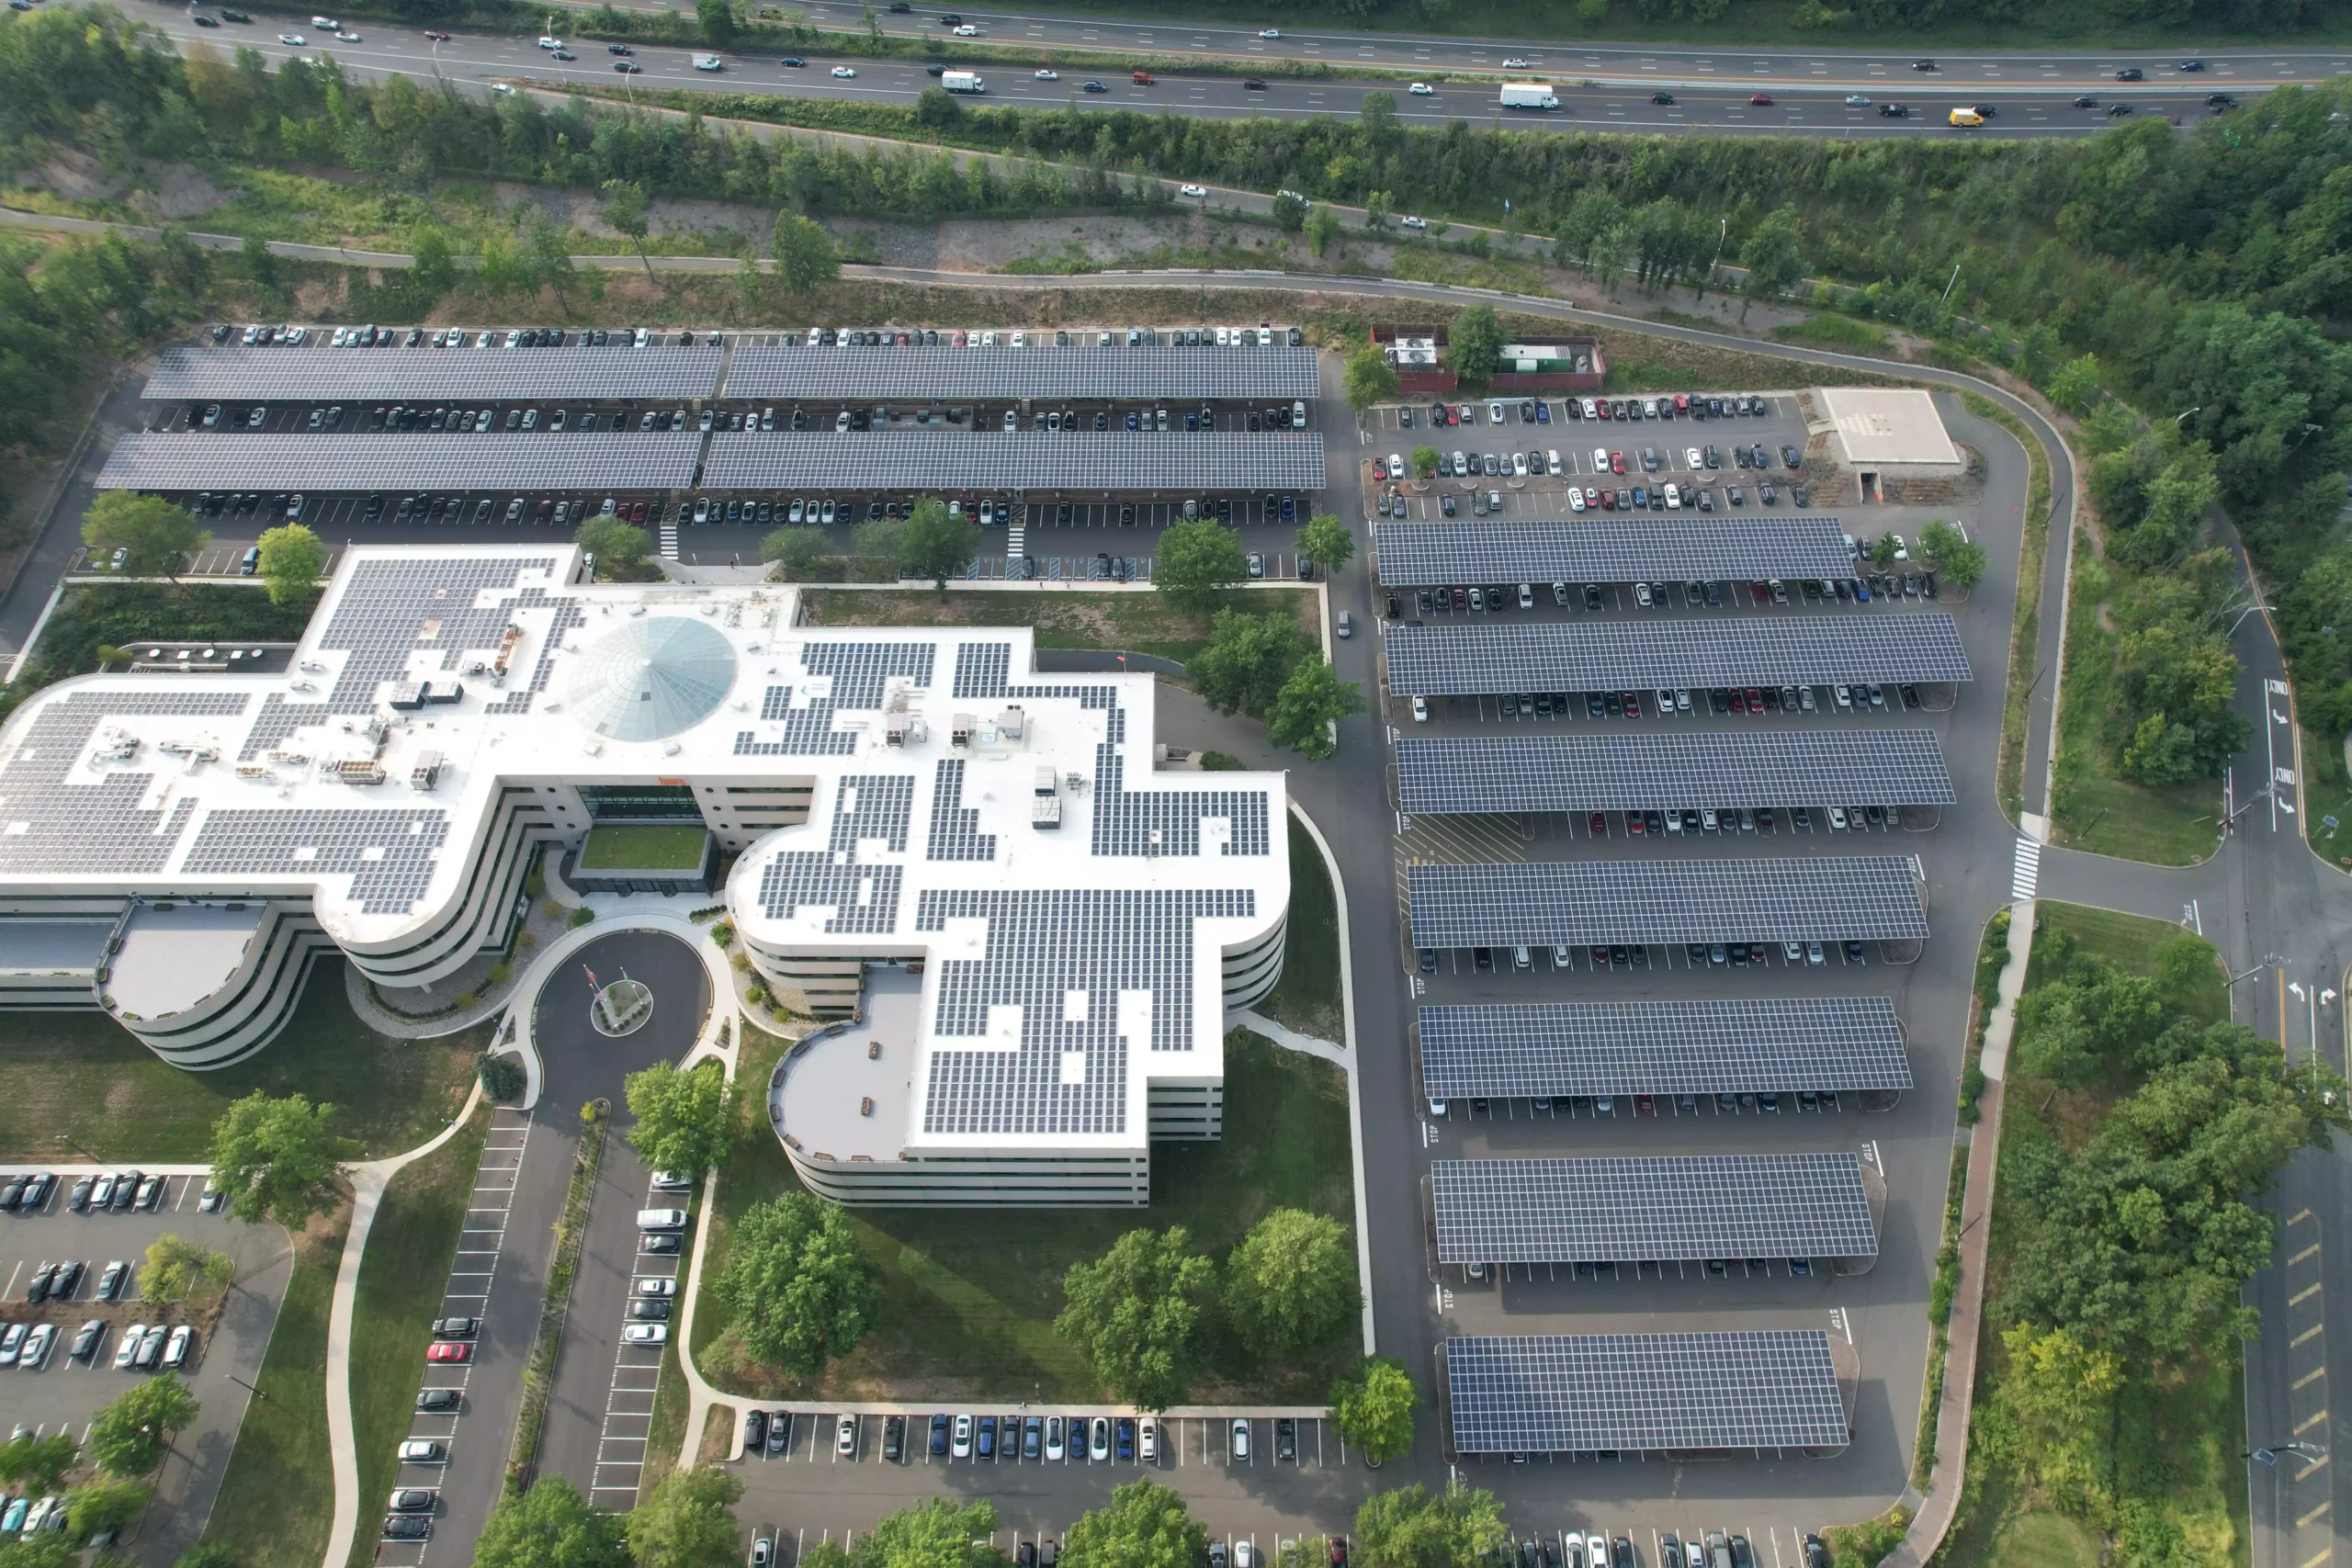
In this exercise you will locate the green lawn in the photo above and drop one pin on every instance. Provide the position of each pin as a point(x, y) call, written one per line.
point(276, 1503)
point(969, 1296)
point(645, 848)
point(81, 1074)
point(2091, 808)
point(1307, 995)
point(1132, 622)
point(402, 1277)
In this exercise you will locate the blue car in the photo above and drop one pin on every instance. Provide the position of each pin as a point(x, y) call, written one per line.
point(1134, 423)
point(939, 1434)
point(1543, 412)
point(1126, 1440)
point(988, 1437)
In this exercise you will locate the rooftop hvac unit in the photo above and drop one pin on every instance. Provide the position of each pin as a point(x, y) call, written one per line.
point(1045, 811)
point(360, 771)
point(426, 773)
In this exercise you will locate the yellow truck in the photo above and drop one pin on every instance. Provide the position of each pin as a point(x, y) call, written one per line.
point(1966, 118)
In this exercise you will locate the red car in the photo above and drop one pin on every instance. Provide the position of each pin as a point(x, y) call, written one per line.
point(436, 37)
point(1762, 100)
point(1617, 462)
point(450, 1350)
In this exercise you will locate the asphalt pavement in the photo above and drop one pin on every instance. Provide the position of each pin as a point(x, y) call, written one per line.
point(1808, 96)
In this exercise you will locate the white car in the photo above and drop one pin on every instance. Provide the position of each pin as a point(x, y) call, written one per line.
point(1240, 1438)
point(1396, 466)
point(346, 38)
point(1600, 459)
point(844, 72)
point(845, 1437)
point(1420, 710)
point(646, 1334)
point(962, 1448)
point(127, 1345)
point(1690, 459)
point(1049, 76)
point(968, 30)
point(504, 89)
point(1673, 497)
point(1552, 457)
point(709, 63)
point(1514, 63)
point(551, 43)
point(1193, 190)
point(1857, 101)
point(1270, 33)
point(1411, 222)
point(295, 39)
point(1422, 90)
point(1576, 499)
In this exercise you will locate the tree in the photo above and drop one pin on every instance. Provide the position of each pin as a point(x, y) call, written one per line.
point(687, 1119)
point(47, 1550)
point(1290, 1284)
point(502, 1074)
point(1136, 1314)
point(795, 551)
point(1289, 211)
point(936, 544)
point(1960, 559)
point(1322, 228)
point(552, 1526)
point(717, 20)
point(799, 1286)
point(1369, 377)
point(684, 1522)
point(1145, 1524)
point(1326, 540)
point(935, 1534)
point(179, 1270)
point(936, 108)
point(1196, 562)
point(38, 1464)
point(1413, 1527)
point(105, 1502)
point(279, 1159)
point(2072, 388)
point(1374, 1409)
point(432, 267)
point(1425, 460)
point(261, 262)
point(1311, 701)
point(290, 558)
point(1883, 551)
point(550, 256)
point(877, 540)
point(128, 1436)
point(155, 537)
point(627, 213)
point(1473, 343)
point(1771, 254)
point(621, 548)
point(1247, 661)
point(804, 255)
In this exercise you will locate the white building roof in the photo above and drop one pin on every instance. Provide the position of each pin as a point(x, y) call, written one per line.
point(1888, 427)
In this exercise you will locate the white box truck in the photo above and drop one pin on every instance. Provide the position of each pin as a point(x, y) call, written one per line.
point(1529, 96)
point(962, 82)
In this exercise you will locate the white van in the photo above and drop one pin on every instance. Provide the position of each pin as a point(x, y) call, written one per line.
point(661, 1219)
point(551, 43)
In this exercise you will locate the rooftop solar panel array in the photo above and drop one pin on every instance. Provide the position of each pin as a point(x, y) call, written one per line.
point(954, 460)
point(1576, 1393)
point(1651, 1208)
point(1247, 375)
point(569, 460)
point(324, 374)
point(1582, 656)
point(1620, 549)
point(1616, 769)
point(1801, 898)
point(1742, 1045)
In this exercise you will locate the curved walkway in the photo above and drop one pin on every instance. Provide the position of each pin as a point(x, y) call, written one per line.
point(368, 1183)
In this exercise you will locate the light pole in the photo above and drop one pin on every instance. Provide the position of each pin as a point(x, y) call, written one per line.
point(2185, 413)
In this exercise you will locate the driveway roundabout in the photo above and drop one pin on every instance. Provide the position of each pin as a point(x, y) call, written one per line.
point(582, 1059)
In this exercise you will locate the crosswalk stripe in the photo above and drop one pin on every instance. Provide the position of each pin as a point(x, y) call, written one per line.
point(2026, 873)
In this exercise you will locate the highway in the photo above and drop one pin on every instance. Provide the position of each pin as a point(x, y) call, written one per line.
point(1809, 93)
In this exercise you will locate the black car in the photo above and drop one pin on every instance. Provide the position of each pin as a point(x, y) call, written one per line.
point(625, 67)
point(407, 1527)
point(794, 61)
point(1923, 65)
point(2118, 111)
point(2192, 66)
point(2086, 102)
point(13, 1193)
point(755, 1429)
point(2131, 74)
point(228, 16)
point(1252, 84)
point(1656, 98)
point(939, 1434)
point(1095, 88)
point(2221, 101)
point(1894, 111)
point(894, 1438)
point(618, 49)
point(438, 1399)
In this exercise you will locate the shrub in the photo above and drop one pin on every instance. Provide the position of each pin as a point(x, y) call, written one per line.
point(582, 915)
point(503, 1076)
point(498, 972)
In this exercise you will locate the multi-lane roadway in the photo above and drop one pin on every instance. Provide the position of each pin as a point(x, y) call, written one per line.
point(1810, 94)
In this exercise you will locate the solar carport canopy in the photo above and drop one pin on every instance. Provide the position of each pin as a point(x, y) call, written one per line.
point(1619, 549)
point(1540, 904)
point(1584, 656)
point(550, 460)
point(1088, 374)
point(954, 460)
point(1737, 1045)
point(1614, 769)
point(1651, 1208)
point(327, 375)
point(1577, 1393)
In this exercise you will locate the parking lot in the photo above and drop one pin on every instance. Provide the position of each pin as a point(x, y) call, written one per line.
point(224, 1349)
